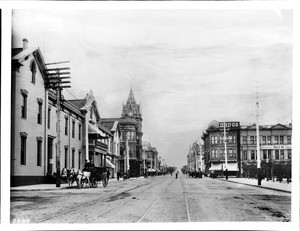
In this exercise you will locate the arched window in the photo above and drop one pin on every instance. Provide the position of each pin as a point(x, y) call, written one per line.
point(33, 71)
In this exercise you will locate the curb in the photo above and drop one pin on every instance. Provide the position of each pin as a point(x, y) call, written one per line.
point(258, 186)
point(14, 189)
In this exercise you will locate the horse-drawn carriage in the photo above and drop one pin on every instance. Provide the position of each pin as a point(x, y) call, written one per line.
point(97, 174)
point(90, 176)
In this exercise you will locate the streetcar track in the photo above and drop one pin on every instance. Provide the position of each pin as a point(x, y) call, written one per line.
point(122, 203)
point(186, 200)
point(151, 207)
point(85, 205)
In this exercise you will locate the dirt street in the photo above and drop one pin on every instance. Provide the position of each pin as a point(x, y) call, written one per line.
point(155, 199)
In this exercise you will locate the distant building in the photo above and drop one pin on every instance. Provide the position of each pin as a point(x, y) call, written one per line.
point(275, 149)
point(130, 139)
point(195, 158)
point(151, 157)
point(214, 149)
point(131, 134)
point(114, 153)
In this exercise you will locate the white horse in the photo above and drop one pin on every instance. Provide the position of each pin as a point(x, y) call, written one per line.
point(81, 176)
point(69, 174)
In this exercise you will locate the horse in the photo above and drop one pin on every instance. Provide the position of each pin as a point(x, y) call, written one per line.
point(81, 177)
point(69, 174)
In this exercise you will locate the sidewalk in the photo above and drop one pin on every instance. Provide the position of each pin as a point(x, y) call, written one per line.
point(46, 187)
point(276, 185)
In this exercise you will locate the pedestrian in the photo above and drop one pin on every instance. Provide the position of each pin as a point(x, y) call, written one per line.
point(177, 174)
point(108, 174)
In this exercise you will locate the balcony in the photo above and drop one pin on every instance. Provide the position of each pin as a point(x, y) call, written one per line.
point(97, 145)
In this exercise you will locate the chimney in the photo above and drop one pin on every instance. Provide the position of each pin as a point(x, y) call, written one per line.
point(25, 43)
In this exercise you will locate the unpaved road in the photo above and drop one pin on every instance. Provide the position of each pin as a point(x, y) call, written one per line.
point(159, 199)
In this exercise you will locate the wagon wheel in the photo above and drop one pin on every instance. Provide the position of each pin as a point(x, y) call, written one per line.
point(104, 180)
point(93, 182)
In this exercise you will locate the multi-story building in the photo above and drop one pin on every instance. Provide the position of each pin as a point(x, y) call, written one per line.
point(275, 149)
point(214, 148)
point(151, 157)
point(131, 136)
point(195, 158)
point(34, 121)
point(97, 138)
point(114, 153)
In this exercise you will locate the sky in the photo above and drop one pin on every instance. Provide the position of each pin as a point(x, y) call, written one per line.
point(186, 67)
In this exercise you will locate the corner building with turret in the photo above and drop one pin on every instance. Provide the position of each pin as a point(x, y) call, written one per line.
point(131, 129)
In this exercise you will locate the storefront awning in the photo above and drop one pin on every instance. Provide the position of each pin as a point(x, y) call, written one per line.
point(215, 167)
point(231, 167)
point(109, 164)
point(93, 130)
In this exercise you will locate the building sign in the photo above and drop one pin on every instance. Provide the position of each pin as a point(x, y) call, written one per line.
point(276, 147)
point(229, 124)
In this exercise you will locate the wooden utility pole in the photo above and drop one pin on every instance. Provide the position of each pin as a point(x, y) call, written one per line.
point(257, 143)
point(225, 152)
point(55, 82)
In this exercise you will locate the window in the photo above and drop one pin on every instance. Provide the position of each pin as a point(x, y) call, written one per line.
point(212, 140)
point(289, 151)
point(73, 157)
point(245, 154)
point(24, 103)
point(276, 154)
point(91, 114)
point(289, 139)
point(281, 139)
point(49, 116)
point(212, 153)
point(33, 71)
point(23, 148)
point(79, 131)
point(281, 154)
point(252, 155)
point(264, 139)
point(39, 151)
point(50, 149)
point(270, 153)
point(66, 125)
point(230, 153)
point(79, 158)
point(66, 157)
point(222, 153)
point(251, 139)
point(275, 139)
point(269, 139)
point(234, 153)
point(73, 129)
point(244, 139)
point(229, 139)
point(40, 111)
point(234, 139)
point(265, 154)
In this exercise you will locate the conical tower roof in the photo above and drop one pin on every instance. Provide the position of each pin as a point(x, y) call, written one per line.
point(131, 108)
point(131, 99)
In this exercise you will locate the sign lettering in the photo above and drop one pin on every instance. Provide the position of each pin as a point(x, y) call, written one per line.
point(229, 124)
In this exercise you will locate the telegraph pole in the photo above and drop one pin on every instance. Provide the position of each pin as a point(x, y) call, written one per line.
point(257, 144)
point(225, 152)
point(55, 82)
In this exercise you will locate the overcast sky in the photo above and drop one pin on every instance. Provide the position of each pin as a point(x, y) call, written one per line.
point(186, 67)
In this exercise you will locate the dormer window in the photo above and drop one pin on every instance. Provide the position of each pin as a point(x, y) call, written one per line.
point(33, 71)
